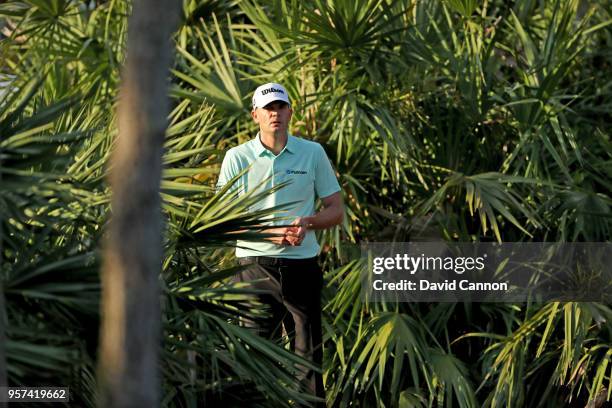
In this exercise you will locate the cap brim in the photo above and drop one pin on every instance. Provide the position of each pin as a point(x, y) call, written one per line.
point(263, 101)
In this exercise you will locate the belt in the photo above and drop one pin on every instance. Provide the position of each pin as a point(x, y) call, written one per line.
point(271, 261)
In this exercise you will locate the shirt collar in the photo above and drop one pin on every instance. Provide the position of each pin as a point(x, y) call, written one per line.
point(291, 144)
point(258, 146)
point(260, 149)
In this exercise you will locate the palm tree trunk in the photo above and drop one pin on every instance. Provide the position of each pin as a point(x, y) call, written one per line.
point(130, 329)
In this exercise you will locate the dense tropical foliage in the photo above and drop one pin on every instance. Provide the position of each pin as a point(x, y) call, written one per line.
point(456, 120)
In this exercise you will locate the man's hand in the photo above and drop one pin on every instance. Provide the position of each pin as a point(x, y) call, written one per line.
point(293, 235)
point(280, 237)
point(296, 233)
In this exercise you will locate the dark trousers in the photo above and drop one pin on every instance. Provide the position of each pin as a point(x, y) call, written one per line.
point(293, 295)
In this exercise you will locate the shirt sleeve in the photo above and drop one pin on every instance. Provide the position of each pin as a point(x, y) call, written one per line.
point(229, 169)
point(325, 180)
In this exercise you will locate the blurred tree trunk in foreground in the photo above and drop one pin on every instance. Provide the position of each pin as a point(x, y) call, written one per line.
point(130, 329)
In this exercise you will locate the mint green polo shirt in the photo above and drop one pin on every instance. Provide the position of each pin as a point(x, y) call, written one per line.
point(304, 165)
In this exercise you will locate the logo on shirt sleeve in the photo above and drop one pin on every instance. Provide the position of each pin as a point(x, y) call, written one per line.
point(296, 172)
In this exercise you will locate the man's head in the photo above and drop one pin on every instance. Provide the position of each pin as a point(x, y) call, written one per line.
point(271, 108)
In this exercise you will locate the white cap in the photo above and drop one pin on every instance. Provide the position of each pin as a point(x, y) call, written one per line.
point(270, 92)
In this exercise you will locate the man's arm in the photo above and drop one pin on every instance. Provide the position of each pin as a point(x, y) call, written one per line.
point(331, 214)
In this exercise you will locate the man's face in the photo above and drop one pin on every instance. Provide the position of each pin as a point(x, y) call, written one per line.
point(273, 118)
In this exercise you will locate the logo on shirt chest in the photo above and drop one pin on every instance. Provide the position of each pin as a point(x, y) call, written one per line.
point(296, 171)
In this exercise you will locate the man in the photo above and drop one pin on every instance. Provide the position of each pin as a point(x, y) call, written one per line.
point(286, 265)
